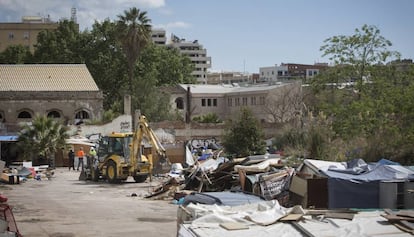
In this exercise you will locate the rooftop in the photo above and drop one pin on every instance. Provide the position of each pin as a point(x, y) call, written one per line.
point(46, 77)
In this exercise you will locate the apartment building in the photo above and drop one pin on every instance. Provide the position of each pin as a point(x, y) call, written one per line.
point(228, 77)
point(197, 54)
point(25, 32)
point(158, 36)
point(290, 71)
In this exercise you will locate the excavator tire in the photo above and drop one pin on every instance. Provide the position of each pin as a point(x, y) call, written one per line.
point(94, 174)
point(140, 178)
point(111, 173)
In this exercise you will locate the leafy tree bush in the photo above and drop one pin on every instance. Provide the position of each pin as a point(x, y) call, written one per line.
point(207, 118)
point(42, 138)
point(244, 136)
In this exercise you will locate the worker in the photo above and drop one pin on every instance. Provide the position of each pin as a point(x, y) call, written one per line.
point(91, 158)
point(81, 154)
point(71, 156)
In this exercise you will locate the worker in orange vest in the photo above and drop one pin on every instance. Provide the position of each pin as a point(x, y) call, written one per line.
point(80, 155)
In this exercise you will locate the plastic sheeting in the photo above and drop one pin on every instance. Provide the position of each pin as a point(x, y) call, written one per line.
point(355, 184)
point(209, 218)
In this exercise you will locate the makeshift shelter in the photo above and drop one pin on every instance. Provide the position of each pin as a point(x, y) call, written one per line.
point(8, 151)
point(356, 184)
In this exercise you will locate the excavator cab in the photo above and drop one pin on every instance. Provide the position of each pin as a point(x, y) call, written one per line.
point(114, 145)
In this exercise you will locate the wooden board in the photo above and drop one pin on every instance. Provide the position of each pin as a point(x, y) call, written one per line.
point(233, 226)
point(291, 217)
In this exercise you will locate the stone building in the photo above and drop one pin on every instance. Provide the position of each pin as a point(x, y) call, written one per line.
point(265, 101)
point(63, 91)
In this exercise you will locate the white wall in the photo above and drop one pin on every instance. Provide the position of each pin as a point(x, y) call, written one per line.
point(122, 123)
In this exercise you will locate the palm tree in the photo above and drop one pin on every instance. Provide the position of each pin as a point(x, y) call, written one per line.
point(42, 138)
point(134, 34)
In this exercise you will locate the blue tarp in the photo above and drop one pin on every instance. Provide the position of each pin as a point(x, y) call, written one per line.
point(362, 172)
point(358, 184)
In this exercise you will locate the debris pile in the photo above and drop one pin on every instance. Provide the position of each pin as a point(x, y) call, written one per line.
point(20, 173)
point(207, 171)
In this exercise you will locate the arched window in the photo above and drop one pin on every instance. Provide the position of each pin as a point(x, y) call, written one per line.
point(24, 115)
point(179, 102)
point(82, 115)
point(53, 114)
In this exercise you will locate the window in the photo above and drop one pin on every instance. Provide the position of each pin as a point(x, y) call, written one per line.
point(203, 102)
point(24, 114)
point(252, 100)
point(11, 35)
point(53, 114)
point(209, 102)
point(2, 119)
point(310, 73)
point(244, 101)
point(230, 102)
point(262, 100)
point(179, 103)
point(237, 102)
point(215, 102)
point(26, 35)
point(82, 115)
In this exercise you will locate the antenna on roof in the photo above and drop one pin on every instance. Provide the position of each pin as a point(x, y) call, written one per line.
point(73, 15)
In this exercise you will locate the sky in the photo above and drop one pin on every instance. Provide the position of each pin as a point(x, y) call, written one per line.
point(244, 35)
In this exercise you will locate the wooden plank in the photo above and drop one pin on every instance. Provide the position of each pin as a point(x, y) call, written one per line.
point(393, 217)
point(348, 216)
point(291, 217)
point(234, 226)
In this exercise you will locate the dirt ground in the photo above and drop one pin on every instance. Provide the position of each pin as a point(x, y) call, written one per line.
point(66, 207)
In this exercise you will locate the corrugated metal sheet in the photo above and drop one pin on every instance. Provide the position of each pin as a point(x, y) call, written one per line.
point(46, 77)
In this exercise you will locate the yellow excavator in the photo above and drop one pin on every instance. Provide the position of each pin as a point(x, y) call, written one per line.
point(121, 155)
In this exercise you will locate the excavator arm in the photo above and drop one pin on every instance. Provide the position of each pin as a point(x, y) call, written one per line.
point(142, 131)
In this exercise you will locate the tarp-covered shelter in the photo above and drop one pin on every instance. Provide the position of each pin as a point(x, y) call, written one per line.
point(356, 184)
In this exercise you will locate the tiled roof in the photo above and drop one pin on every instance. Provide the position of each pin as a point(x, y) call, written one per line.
point(46, 77)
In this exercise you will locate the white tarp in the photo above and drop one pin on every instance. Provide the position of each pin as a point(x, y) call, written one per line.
point(261, 220)
point(79, 141)
point(263, 166)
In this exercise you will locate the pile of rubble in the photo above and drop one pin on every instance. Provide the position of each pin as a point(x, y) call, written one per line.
point(262, 175)
point(15, 174)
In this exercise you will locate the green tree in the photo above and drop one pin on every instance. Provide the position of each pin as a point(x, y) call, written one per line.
point(134, 33)
point(366, 47)
point(62, 45)
point(16, 54)
point(375, 112)
point(105, 61)
point(42, 138)
point(244, 136)
point(152, 74)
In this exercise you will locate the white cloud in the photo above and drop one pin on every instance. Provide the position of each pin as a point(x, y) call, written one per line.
point(87, 10)
point(174, 25)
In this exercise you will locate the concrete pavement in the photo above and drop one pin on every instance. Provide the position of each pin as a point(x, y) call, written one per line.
point(65, 207)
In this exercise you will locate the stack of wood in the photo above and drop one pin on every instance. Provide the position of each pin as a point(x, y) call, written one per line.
point(403, 219)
